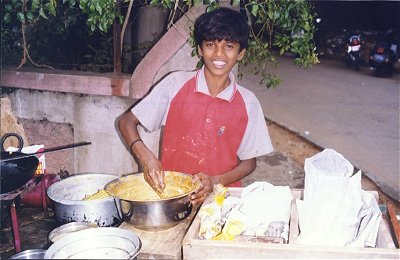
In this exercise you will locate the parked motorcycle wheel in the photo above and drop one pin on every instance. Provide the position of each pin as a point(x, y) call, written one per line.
point(376, 71)
point(381, 71)
point(357, 64)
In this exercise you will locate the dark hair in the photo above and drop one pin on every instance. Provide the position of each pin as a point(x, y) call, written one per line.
point(222, 24)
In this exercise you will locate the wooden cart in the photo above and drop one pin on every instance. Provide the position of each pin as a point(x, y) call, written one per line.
point(162, 244)
point(195, 248)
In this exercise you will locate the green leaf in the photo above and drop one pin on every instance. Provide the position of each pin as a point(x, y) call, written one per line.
point(35, 5)
point(276, 15)
point(7, 17)
point(307, 26)
point(8, 7)
point(42, 14)
point(30, 16)
point(21, 17)
point(270, 14)
point(235, 2)
point(254, 10)
point(83, 4)
point(98, 9)
point(51, 8)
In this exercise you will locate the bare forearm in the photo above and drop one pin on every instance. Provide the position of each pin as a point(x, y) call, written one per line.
point(151, 166)
point(127, 125)
point(243, 169)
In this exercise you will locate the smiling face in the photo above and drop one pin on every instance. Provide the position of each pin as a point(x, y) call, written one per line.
point(219, 57)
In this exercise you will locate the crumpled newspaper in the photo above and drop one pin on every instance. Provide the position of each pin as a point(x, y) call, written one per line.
point(335, 210)
point(262, 210)
point(213, 215)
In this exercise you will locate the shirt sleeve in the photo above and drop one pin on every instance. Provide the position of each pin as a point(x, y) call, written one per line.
point(152, 109)
point(256, 140)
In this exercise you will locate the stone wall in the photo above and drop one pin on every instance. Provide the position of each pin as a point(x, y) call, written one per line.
point(54, 119)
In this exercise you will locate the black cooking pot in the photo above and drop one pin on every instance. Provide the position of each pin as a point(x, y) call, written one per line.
point(15, 173)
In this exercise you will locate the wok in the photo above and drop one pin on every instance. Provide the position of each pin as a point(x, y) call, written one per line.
point(15, 173)
point(18, 168)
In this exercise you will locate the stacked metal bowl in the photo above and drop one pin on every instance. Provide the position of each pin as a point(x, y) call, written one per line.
point(96, 243)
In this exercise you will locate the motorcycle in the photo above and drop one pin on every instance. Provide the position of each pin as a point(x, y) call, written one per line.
point(353, 59)
point(381, 59)
point(353, 54)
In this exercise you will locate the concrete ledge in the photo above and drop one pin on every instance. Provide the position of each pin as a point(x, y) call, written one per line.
point(105, 84)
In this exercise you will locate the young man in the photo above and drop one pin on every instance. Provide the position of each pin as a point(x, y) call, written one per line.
point(213, 127)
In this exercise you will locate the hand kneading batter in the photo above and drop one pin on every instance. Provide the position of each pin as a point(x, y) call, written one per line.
point(135, 188)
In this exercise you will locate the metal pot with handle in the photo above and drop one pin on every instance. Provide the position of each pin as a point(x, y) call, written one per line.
point(142, 207)
point(69, 204)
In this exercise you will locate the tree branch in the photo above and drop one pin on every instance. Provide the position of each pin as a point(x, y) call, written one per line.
point(128, 14)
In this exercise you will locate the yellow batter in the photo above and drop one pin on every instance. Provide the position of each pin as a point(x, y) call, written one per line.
point(134, 187)
point(98, 195)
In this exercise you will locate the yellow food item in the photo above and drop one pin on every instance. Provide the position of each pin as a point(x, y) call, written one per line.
point(230, 231)
point(219, 194)
point(98, 195)
point(210, 221)
point(211, 216)
point(135, 188)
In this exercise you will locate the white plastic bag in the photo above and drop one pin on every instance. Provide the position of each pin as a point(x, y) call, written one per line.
point(334, 204)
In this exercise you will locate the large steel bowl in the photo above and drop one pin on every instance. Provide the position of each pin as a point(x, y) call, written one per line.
point(30, 254)
point(59, 232)
point(68, 204)
point(156, 213)
point(96, 243)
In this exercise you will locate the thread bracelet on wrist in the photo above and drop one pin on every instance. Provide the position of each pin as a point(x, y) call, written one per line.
point(134, 142)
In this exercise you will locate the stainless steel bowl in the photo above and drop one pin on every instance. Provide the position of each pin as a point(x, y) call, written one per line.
point(156, 214)
point(65, 229)
point(96, 243)
point(68, 204)
point(30, 254)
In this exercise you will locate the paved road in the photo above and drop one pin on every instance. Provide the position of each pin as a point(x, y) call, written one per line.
point(336, 107)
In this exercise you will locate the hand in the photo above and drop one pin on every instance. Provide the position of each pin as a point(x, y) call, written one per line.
point(154, 174)
point(206, 185)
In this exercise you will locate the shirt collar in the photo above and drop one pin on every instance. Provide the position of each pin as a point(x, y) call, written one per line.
point(201, 86)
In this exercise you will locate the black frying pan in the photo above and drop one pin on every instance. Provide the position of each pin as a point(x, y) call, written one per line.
point(18, 168)
point(15, 173)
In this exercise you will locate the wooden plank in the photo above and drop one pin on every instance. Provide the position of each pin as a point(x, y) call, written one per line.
point(163, 244)
point(106, 84)
point(233, 250)
point(394, 222)
point(195, 248)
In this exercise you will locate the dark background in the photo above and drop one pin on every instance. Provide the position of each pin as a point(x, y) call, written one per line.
point(358, 15)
